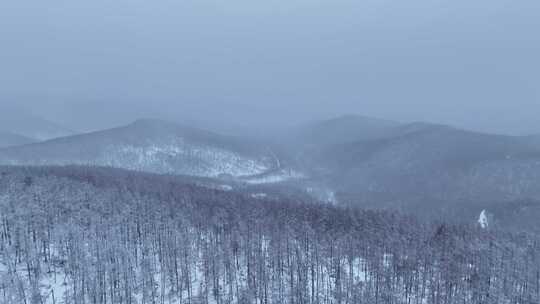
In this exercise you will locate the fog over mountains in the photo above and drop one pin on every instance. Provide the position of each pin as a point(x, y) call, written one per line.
point(149, 145)
point(12, 139)
point(432, 162)
point(270, 152)
point(350, 209)
point(21, 123)
point(420, 168)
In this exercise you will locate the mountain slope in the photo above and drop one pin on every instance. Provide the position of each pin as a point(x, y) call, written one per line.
point(152, 146)
point(343, 129)
point(423, 163)
point(18, 121)
point(11, 139)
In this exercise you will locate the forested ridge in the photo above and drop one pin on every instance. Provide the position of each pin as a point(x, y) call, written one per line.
point(97, 235)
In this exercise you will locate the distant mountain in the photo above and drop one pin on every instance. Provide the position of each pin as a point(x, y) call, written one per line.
point(151, 146)
point(347, 160)
point(339, 130)
point(426, 164)
point(534, 139)
point(11, 139)
point(19, 121)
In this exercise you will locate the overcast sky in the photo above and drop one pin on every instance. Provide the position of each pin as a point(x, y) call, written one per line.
point(470, 63)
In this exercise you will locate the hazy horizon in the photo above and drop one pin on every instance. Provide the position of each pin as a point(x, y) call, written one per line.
point(92, 121)
point(99, 64)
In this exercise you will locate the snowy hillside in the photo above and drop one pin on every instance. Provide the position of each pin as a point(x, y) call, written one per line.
point(381, 164)
point(151, 146)
point(431, 164)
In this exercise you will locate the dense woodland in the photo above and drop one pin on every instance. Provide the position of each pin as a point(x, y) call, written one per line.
point(96, 235)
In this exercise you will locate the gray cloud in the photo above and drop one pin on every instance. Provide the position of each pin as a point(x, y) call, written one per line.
point(469, 63)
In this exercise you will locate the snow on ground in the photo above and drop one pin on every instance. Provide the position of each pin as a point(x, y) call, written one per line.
point(178, 157)
point(323, 194)
point(166, 157)
point(276, 177)
point(53, 287)
point(259, 195)
point(225, 187)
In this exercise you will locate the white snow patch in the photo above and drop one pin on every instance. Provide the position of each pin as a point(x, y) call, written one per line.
point(331, 197)
point(277, 177)
point(323, 194)
point(259, 195)
point(225, 187)
point(483, 220)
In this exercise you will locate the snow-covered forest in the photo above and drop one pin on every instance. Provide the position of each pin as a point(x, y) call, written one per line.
point(96, 235)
